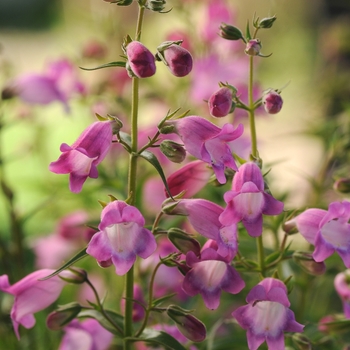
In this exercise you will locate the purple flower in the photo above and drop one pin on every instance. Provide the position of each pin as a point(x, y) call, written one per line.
point(140, 60)
point(247, 201)
point(272, 101)
point(208, 142)
point(210, 274)
point(204, 217)
point(85, 335)
point(328, 231)
point(80, 159)
point(220, 102)
point(342, 286)
point(267, 315)
point(179, 60)
point(121, 237)
point(31, 295)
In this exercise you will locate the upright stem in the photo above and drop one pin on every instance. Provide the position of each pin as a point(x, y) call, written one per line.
point(255, 154)
point(129, 282)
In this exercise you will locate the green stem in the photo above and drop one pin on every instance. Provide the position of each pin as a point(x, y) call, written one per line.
point(251, 109)
point(129, 282)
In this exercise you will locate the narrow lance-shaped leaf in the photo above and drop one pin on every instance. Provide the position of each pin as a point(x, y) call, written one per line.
point(68, 264)
point(151, 158)
point(107, 65)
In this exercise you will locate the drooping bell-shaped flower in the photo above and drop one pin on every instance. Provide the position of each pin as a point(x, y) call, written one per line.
point(328, 231)
point(31, 296)
point(210, 273)
point(121, 237)
point(81, 159)
point(267, 315)
point(204, 217)
point(208, 142)
point(342, 286)
point(248, 201)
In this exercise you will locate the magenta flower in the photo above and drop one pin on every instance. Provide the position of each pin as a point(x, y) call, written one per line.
point(121, 237)
point(80, 159)
point(190, 178)
point(208, 142)
point(328, 231)
point(272, 101)
point(85, 335)
point(342, 286)
point(31, 295)
point(210, 274)
point(267, 315)
point(247, 201)
point(179, 60)
point(204, 217)
point(140, 60)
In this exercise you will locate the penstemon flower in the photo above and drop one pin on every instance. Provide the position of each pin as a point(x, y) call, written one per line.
point(267, 315)
point(121, 237)
point(342, 286)
point(209, 274)
point(80, 159)
point(208, 142)
point(328, 231)
point(248, 201)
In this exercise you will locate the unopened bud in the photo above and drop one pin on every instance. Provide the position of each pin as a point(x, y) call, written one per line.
point(120, 2)
point(188, 325)
point(62, 316)
point(253, 47)
point(73, 275)
point(267, 22)
point(155, 5)
point(272, 101)
point(173, 151)
point(342, 185)
point(308, 263)
point(140, 60)
point(220, 102)
point(183, 241)
point(178, 60)
point(229, 32)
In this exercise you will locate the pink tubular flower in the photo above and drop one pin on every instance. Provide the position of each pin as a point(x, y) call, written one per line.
point(342, 286)
point(31, 295)
point(210, 274)
point(220, 102)
point(179, 60)
point(328, 231)
point(208, 142)
point(121, 237)
point(86, 335)
point(204, 217)
point(190, 178)
point(247, 201)
point(140, 60)
point(80, 159)
point(267, 315)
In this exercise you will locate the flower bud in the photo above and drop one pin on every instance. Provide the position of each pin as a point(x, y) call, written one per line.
point(173, 151)
point(63, 315)
point(188, 325)
point(342, 185)
point(253, 47)
point(120, 2)
point(183, 241)
point(229, 32)
point(177, 59)
point(308, 263)
point(220, 102)
point(155, 5)
point(73, 275)
point(272, 101)
point(267, 22)
point(140, 60)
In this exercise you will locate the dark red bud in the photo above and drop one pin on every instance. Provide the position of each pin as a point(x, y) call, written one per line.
point(179, 60)
point(272, 102)
point(141, 60)
point(220, 102)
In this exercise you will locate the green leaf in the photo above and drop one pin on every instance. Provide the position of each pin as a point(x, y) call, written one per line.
point(158, 338)
point(68, 264)
point(247, 32)
point(116, 318)
point(157, 302)
point(107, 65)
point(151, 158)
